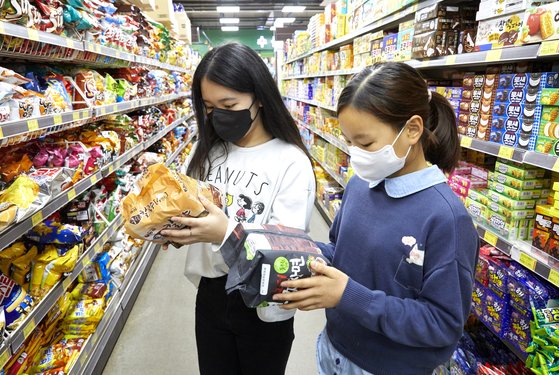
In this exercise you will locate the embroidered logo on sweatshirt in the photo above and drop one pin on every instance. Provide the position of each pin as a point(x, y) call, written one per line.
point(416, 255)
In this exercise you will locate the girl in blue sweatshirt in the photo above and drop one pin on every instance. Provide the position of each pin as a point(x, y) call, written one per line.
point(403, 248)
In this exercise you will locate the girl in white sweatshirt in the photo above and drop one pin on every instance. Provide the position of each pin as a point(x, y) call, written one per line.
point(250, 147)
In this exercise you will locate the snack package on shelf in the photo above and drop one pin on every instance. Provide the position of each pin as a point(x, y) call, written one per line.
point(260, 257)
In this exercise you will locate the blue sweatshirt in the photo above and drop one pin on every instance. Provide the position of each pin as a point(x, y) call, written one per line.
point(410, 249)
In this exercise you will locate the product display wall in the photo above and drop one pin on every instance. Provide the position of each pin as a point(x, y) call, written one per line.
point(495, 62)
point(91, 94)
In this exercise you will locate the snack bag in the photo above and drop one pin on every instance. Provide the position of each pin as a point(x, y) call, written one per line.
point(14, 301)
point(86, 312)
point(261, 257)
point(89, 291)
point(52, 232)
point(23, 197)
point(21, 267)
point(164, 194)
point(7, 256)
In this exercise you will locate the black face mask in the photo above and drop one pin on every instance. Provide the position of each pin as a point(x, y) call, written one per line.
point(231, 126)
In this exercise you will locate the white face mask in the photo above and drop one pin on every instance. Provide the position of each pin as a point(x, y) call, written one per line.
point(375, 166)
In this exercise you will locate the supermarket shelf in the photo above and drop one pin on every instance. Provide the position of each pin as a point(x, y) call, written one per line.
point(326, 137)
point(376, 25)
point(491, 148)
point(5, 353)
point(533, 259)
point(18, 31)
point(45, 305)
point(312, 102)
point(98, 347)
point(13, 128)
point(323, 212)
point(534, 158)
point(513, 54)
point(482, 58)
point(343, 72)
point(334, 175)
point(22, 32)
point(15, 231)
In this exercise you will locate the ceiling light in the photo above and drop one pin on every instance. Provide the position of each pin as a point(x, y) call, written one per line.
point(293, 8)
point(229, 28)
point(228, 9)
point(228, 20)
point(284, 20)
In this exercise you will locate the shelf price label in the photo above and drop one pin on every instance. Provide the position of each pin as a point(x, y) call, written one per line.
point(554, 277)
point(37, 218)
point(466, 142)
point(555, 167)
point(76, 116)
point(33, 34)
point(4, 357)
point(490, 238)
point(1, 133)
point(33, 125)
point(527, 261)
point(111, 169)
point(2, 28)
point(493, 55)
point(86, 260)
point(71, 194)
point(450, 60)
point(29, 328)
point(550, 47)
point(66, 282)
point(93, 179)
point(506, 152)
point(105, 238)
point(71, 43)
point(57, 119)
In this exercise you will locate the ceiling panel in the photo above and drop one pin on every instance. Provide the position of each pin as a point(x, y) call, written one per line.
point(253, 15)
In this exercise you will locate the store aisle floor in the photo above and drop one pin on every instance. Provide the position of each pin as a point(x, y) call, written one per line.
point(158, 337)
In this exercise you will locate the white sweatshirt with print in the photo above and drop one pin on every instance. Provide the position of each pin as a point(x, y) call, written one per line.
point(272, 183)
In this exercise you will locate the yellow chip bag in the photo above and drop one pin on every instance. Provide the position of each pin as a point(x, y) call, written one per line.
point(21, 267)
point(7, 256)
point(163, 195)
point(40, 271)
point(86, 312)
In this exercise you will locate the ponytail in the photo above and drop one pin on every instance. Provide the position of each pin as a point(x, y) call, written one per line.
point(393, 92)
point(440, 142)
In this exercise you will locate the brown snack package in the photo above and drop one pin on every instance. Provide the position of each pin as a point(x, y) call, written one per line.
point(165, 194)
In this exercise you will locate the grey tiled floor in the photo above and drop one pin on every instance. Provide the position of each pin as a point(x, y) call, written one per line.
point(159, 335)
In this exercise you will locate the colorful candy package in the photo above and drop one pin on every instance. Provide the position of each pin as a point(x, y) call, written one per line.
point(86, 311)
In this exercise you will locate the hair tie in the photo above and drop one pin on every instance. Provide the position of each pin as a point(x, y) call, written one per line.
point(429, 95)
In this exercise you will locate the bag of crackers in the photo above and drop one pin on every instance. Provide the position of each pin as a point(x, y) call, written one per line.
point(261, 257)
point(163, 194)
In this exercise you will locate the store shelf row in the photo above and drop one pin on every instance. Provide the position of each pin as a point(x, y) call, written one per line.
point(382, 23)
point(312, 102)
point(329, 170)
point(131, 285)
point(96, 350)
point(533, 158)
point(339, 144)
point(482, 58)
point(22, 32)
point(523, 252)
point(81, 116)
point(14, 341)
point(15, 231)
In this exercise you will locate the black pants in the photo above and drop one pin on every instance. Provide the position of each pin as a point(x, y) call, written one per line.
point(232, 340)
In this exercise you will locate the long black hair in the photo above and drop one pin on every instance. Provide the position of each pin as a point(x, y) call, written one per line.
point(393, 92)
point(239, 68)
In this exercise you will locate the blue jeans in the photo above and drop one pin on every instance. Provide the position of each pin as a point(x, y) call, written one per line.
point(332, 362)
